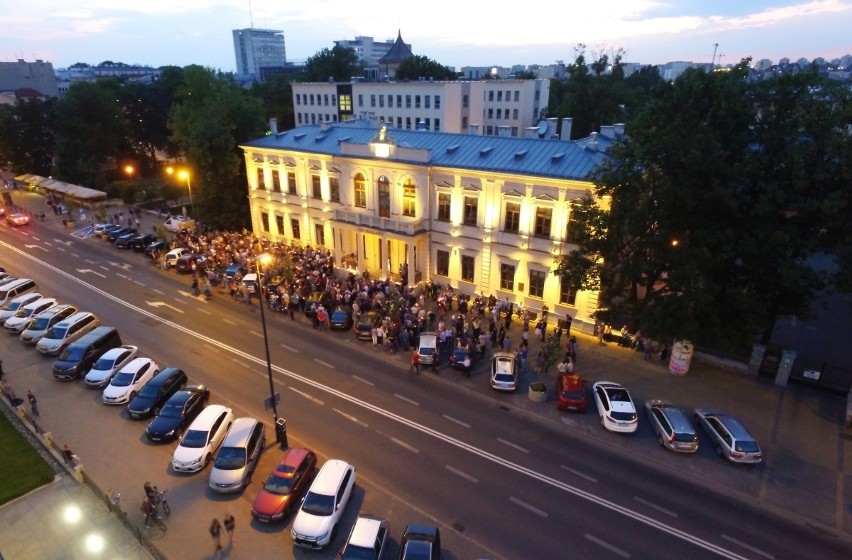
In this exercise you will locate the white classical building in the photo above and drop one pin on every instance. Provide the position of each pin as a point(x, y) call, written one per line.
point(486, 214)
point(494, 107)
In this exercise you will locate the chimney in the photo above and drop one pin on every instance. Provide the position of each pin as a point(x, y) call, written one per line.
point(619, 129)
point(324, 125)
point(474, 129)
point(566, 129)
point(504, 130)
point(608, 131)
point(273, 126)
point(551, 128)
point(531, 132)
point(592, 146)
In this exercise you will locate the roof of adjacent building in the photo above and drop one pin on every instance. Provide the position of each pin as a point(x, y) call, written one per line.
point(504, 154)
point(398, 52)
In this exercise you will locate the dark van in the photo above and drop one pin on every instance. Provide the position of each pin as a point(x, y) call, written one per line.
point(78, 357)
point(156, 392)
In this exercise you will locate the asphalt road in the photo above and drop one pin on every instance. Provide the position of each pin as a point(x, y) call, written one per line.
point(498, 484)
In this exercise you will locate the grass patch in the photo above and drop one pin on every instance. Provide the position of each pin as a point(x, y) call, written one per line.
point(22, 469)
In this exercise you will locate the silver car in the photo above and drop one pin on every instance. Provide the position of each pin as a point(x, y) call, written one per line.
point(237, 458)
point(42, 322)
point(672, 426)
point(730, 437)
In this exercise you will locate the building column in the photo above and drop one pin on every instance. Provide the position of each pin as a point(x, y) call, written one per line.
point(412, 273)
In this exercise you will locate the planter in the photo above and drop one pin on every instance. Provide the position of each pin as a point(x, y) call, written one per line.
point(537, 392)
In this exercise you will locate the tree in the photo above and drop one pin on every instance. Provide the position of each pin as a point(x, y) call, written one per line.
point(276, 95)
point(212, 114)
point(27, 136)
point(416, 67)
point(339, 63)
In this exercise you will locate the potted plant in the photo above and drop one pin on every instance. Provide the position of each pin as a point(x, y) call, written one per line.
point(548, 357)
point(537, 391)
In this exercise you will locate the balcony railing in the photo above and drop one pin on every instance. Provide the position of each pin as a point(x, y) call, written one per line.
point(381, 224)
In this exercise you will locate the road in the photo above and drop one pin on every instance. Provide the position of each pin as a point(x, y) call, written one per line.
point(498, 484)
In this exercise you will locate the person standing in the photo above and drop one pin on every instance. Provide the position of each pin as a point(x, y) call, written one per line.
point(68, 455)
point(415, 362)
point(466, 365)
point(147, 510)
point(229, 527)
point(216, 533)
point(33, 402)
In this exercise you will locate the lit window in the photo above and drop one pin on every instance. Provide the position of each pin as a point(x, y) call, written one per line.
point(542, 221)
point(471, 210)
point(507, 277)
point(409, 199)
point(536, 283)
point(513, 217)
point(442, 263)
point(467, 268)
point(360, 191)
point(316, 187)
point(334, 188)
point(444, 207)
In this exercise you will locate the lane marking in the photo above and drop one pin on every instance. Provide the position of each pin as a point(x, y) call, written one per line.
point(748, 547)
point(326, 364)
point(457, 421)
point(652, 505)
point(578, 473)
point(401, 443)
point(364, 381)
point(513, 445)
point(290, 348)
point(161, 292)
point(229, 322)
point(606, 545)
point(462, 474)
point(350, 417)
point(307, 396)
point(406, 399)
point(257, 334)
point(205, 311)
point(528, 507)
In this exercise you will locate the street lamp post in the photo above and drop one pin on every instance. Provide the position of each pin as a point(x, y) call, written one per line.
point(184, 174)
point(280, 424)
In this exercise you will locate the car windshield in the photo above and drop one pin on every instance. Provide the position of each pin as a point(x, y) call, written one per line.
point(278, 485)
point(171, 410)
point(230, 458)
point(318, 504)
point(747, 447)
point(418, 550)
point(504, 378)
point(573, 395)
point(122, 380)
point(105, 363)
point(623, 416)
point(72, 354)
point(358, 553)
point(39, 323)
point(12, 305)
point(149, 391)
point(194, 438)
point(686, 438)
point(56, 333)
point(24, 312)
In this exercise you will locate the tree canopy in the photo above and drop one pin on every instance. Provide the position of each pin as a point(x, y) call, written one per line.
point(339, 63)
point(416, 67)
point(27, 136)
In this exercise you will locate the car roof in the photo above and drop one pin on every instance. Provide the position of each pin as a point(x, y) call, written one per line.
point(364, 531)
point(291, 460)
point(572, 381)
point(39, 302)
point(328, 477)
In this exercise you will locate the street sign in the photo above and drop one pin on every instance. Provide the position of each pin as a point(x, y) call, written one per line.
point(267, 402)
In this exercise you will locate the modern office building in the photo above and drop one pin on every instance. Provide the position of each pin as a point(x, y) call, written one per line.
point(493, 107)
point(366, 49)
point(259, 52)
point(486, 214)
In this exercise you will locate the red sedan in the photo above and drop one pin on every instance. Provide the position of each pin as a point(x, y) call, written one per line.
point(282, 489)
point(571, 392)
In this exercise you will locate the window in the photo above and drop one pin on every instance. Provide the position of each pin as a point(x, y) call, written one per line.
point(567, 294)
point(264, 221)
point(383, 185)
point(467, 268)
point(360, 191)
point(437, 101)
point(542, 221)
point(517, 95)
point(381, 100)
point(426, 100)
point(319, 232)
point(360, 100)
point(325, 100)
point(471, 210)
point(373, 100)
point(515, 114)
point(409, 199)
point(291, 182)
point(334, 187)
point(399, 102)
point(464, 101)
point(437, 125)
point(261, 184)
point(507, 277)
point(416, 101)
point(513, 217)
point(464, 123)
point(312, 99)
point(537, 283)
point(490, 113)
point(345, 103)
point(294, 224)
point(279, 224)
point(442, 263)
point(276, 181)
point(500, 95)
point(316, 187)
point(408, 123)
point(491, 95)
point(390, 101)
point(408, 102)
point(444, 207)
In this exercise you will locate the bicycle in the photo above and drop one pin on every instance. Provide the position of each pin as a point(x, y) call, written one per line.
point(160, 500)
point(155, 517)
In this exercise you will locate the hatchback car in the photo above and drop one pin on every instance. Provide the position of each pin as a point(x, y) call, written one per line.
point(341, 318)
point(116, 233)
point(615, 407)
point(20, 321)
point(130, 380)
point(178, 412)
point(109, 364)
point(462, 349)
point(367, 540)
point(17, 219)
point(16, 303)
point(238, 457)
point(322, 509)
point(571, 392)
point(730, 437)
point(420, 542)
point(185, 262)
point(42, 322)
point(63, 333)
point(427, 349)
point(673, 429)
point(285, 485)
point(366, 322)
point(202, 439)
point(156, 392)
point(156, 248)
point(504, 372)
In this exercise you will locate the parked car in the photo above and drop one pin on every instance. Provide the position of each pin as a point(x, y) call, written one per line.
point(177, 413)
point(314, 300)
point(156, 392)
point(673, 429)
point(141, 242)
point(238, 457)
point(79, 356)
point(615, 407)
point(156, 248)
point(285, 485)
point(462, 348)
point(427, 349)
point(123, 241)
point(367, 540)
point(366, 322)
point(16, 303)
point(504, 372)
point(202, 439)
point(63, 333)
point(234, 269)
point(341, 318)
point(571, 392)
point(316, 522)
point(420, 542)
point(18, 322)
point(109, 364)
point(130, 380)
point(100, 229)
point(42, 322)
point(730, 437)
point(178, 223)
point(173, 255)
point(250, 281)
point(116, 233)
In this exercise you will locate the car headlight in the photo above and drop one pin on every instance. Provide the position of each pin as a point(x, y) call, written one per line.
point(278, 515)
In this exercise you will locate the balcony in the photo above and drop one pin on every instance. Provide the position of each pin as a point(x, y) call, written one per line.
point(406, 227)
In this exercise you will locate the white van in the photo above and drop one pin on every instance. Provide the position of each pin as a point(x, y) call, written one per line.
point(65, 332)
point(11, 290)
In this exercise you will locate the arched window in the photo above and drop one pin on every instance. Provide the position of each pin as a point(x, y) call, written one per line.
point(409, 199)
point(383, 185)
point(360, 191)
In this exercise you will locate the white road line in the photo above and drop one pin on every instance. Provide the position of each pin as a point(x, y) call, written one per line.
point(748, 547)
point(205, 311)
point(229, 322)
point(606, 545)
point(138, 282)
point(307, 396)
point(257, 334)
point(326, 364)
point(406, 399)
point(350, 417)
point(578, 473)
point(513, 445)
point(459, 422)
point(121, 275)
point(290, 348)
point(362, 380)
point(180, 300)
point(405, 445)
point(161, 292)
point(237, 361)
point(104, 267)
point(462, 474)
point(212, 348)
point(655, 506)
point(528, 507)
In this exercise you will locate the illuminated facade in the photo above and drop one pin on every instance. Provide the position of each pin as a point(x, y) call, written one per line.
point(486, 214)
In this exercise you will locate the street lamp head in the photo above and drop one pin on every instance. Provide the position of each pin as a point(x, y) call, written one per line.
point(183, 174)
point(129, 169)
point(264, 259)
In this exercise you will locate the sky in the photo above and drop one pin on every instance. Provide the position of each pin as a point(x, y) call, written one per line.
point(453, 33)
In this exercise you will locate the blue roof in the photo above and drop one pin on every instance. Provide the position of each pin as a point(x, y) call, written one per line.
point(523, 156)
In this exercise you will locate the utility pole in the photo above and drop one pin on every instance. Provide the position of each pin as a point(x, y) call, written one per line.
point(713, 62)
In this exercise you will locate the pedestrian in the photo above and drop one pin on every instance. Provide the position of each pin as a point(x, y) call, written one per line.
point(466, 365)
point(216, 533)
point(415, 362)
point(646, 348)
point(33, 402)
point(147, 509)
point(229, 526)
point(664, 353)
point(68, 455)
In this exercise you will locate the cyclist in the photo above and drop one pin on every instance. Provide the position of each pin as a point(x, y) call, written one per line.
point(148, 510)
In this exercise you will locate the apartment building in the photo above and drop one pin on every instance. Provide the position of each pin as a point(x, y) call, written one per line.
point(259, 52)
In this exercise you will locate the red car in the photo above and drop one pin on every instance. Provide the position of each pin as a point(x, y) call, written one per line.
point(282, 489)
point(571, 392)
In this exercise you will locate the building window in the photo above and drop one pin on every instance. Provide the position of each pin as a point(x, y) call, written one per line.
point(399, 122)
point(319, 232)
point(489, 130)
point(383, 185)
point(512, 221)
point(360, 100)
point(279, 224)
point(567, 294)
point(261, 184)
point(490, 113)
point(409, 199)
point(294, 224)
point(276, 181)
point(264, 221)
point(517, 95)
point(399, 102)
point(437, 125)
point(515, 114)
point(464, 100)
point(312, 99)
point(500, 95)
point(467, 268)
point(334, 188)
point(464, 123)
point(390, 101)
point(437, 101)
point(442, 263)
point(345, 103)
point(381, 100)
point(491, 96)
point(507, 277)
point(408, 123)
point(542, 221)
point(373, 100)
point(408, 102)
point(416, 101)
point(443, 207)
point(316, 187)
point(291, 182)
point(471, 210)
point(537, 283)
point(360, 191)
point(426, 100)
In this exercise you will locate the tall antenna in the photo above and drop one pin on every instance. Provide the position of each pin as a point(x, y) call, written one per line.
point(712, 62)
point(251, 18)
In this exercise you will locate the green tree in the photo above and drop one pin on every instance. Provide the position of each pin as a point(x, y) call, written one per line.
point(276, 95)
point(212, 114)
point(416, 67)
point(339, 63)
point(27, 136)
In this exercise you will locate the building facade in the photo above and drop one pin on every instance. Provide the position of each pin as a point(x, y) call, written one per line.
point(259, 51)
point(367, 50)
point(491, 107)
point(483, 214)
point(36, 76)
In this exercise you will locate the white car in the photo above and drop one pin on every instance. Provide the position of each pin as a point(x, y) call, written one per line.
point(16, 303)
point(129, 380)
point(615, 407)
point(202, 438)
point(109, 364)
point(324, 504)
point(177, 223)
point(22, 317)
point(173, 256)
point(40, 324)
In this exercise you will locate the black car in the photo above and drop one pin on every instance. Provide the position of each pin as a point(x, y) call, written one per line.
point(341, 318)
point(114, 234)
point(107, 230)
point(420, 542)
point(178, 413)
point(157, 247)
point(314, 300)
point(462, 348)
point(123, 241)
point(140, 242)
point(366, 322)
point(157, 391)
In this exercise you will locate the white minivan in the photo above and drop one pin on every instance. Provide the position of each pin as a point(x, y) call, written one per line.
point(65, 332)
point(316, 523)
